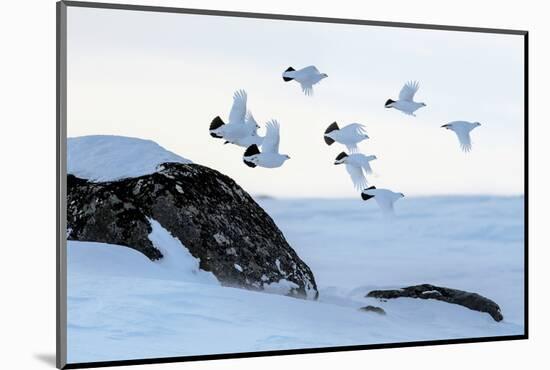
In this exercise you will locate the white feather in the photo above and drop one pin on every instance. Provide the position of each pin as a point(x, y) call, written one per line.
point(462, 130)
point(384, 198)
point(272, 137)
point(408, 90)
point(349, 135)
point(306, 77)
point(238, 109)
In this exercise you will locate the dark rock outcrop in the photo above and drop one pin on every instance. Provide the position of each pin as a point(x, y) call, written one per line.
point(208, 212)
point(472, 301)
point(369, 308)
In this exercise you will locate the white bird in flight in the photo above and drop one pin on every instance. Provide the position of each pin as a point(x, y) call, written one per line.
point(406, 104)
point(251, 139)
point(238, 127)
point(269, 157)
point(462, 130)
point(384, 197)
point(349, 135)
point(306, 77)
point(358, 167)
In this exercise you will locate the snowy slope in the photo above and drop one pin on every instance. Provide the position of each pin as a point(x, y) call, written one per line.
point(108, 158)
point(133, 309)
point(116, 318)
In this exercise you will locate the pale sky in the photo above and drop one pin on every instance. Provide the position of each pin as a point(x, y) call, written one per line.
point(164, 77)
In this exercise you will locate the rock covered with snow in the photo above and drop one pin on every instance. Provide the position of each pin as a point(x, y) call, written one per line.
point(469, 300)
point(219, 223)
point(109, 157)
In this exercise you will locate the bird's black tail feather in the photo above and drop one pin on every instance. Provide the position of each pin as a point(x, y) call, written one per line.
point(366, 196)
point(289, 69)
point(249, 164)
point(251, 150)
point(216, 123)
point(333, 126)
point(328, 140)
point(341, 156)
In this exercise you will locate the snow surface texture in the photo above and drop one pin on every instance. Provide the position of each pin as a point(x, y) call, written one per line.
point(122, 306)
point(109, 158)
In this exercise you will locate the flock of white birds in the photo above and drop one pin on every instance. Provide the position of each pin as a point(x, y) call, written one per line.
point(242, 130)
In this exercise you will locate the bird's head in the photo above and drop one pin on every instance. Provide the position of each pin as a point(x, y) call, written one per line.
point(402, 195)
point(372, 157)
point(287, 157)
point(477, 124)
point(448, 126)
point(423, 104)
point(389, 103)
point(341, 158)
point(324, 75)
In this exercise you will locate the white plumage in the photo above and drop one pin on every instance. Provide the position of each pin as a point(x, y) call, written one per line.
point(462, 130)
point(349, 135)
point(406, 103)
point(252, 138)
point(384, 198)
point(237, 127)
point(357, 166)
point(306, 77)
point(269, 157)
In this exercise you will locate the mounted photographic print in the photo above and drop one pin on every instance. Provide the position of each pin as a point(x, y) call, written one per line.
point(239, 184)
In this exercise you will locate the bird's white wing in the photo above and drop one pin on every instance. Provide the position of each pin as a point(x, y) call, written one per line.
point(463, 135)
point(238, 110)
point(271, 139)
point(352, 148)
point(358, 128)
point(357, 176)
point(310, 70)
point(385, 204)
point(250, 119)
point(365, 163)
point(251, 122)
point(307, 88)
point(408, 91)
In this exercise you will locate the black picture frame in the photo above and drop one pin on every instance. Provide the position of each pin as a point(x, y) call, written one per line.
point(61, 173)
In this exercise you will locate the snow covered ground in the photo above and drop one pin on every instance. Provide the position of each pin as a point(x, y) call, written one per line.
point(109, 157)
point(469, 243)
point(122, 306)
